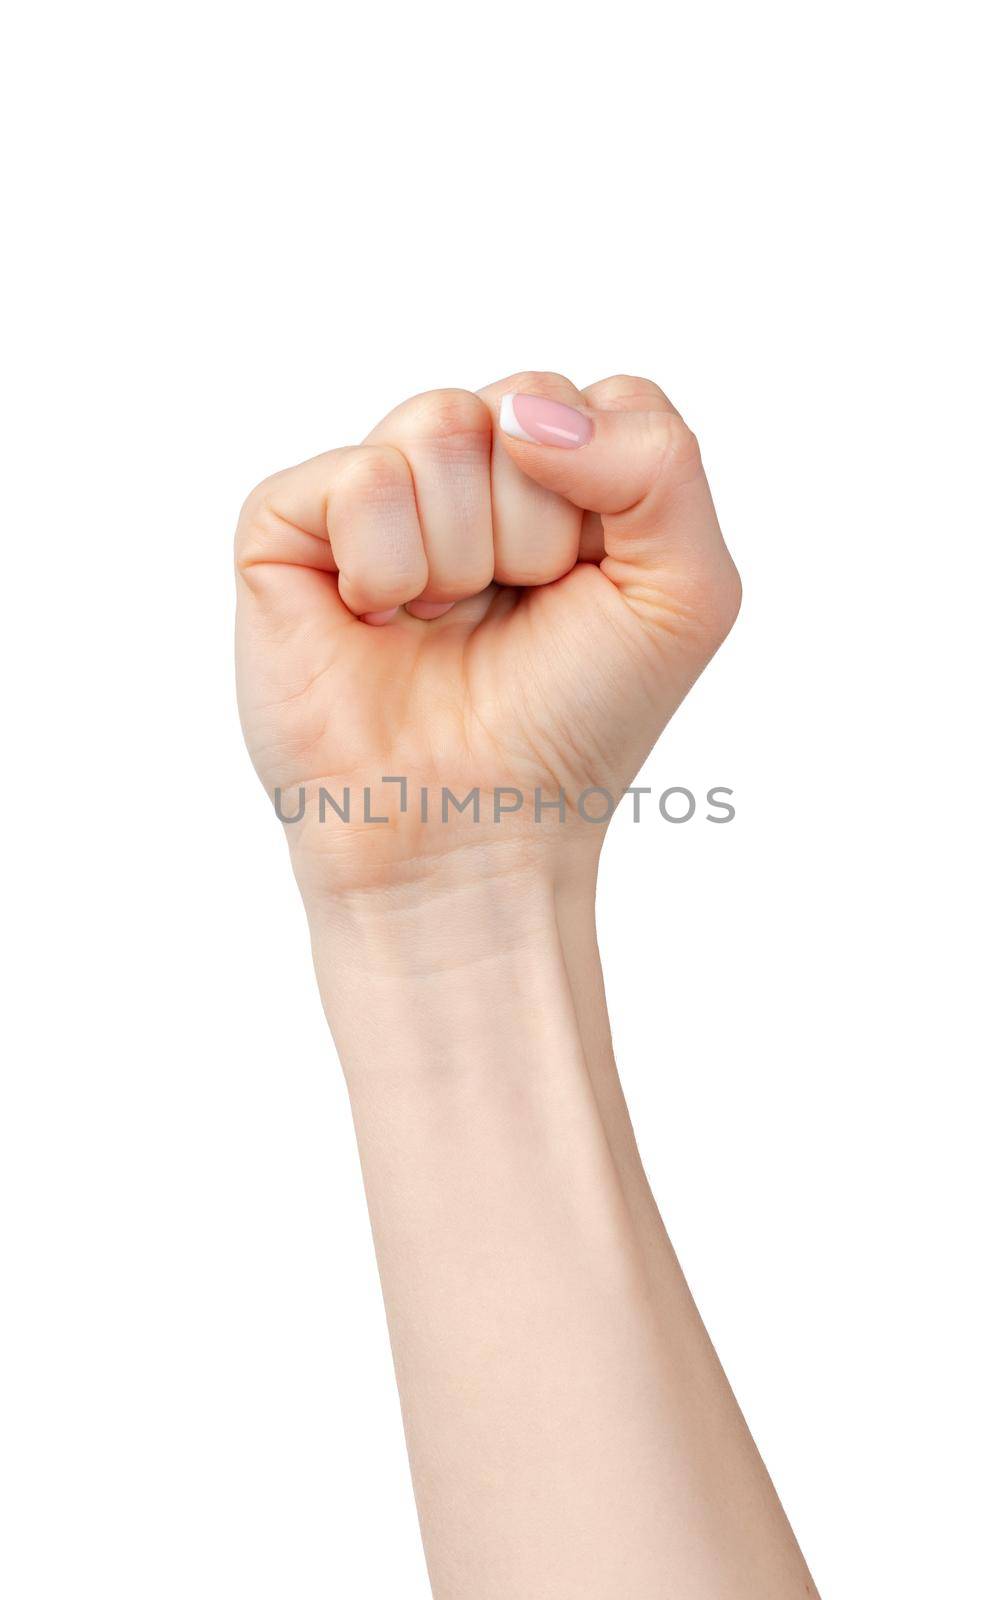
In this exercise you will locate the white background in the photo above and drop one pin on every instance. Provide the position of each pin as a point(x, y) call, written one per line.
point(237, 236)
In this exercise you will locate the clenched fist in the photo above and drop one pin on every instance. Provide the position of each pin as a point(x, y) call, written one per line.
point(510, 590)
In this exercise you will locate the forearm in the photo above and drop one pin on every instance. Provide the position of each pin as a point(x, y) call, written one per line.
point(569, 1428)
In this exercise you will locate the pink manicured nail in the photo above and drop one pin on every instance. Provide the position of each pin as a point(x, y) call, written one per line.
point(378, 619)
point(428, 610)
point(539, 421)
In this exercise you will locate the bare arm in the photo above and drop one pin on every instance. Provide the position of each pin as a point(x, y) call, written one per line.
point(570, 1429)
point(571, 1433)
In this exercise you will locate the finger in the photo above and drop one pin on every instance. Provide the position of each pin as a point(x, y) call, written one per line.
point(445, 437)
point(290, 616)
point(374, 532)
point(641, 470)
point(619, 393)
point(285, 566)
point(536, 532)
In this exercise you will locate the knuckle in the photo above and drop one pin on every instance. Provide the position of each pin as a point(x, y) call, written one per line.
point(543, 383)
point(372, 475)
point(449, 414)
point(680, 456)
point(255, 502)
point(252, 539)
point(626, 386)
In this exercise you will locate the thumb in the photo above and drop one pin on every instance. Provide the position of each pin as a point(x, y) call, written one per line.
point(641, 471)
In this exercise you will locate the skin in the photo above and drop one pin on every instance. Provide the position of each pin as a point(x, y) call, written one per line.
point(570, 1431)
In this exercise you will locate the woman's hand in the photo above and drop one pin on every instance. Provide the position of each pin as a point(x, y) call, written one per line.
point(510, 591)
point(506, 590)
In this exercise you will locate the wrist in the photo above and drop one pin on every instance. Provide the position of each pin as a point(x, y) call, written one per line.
point(439, 966)
point(366, 849)
point(448, 912)
point(473, 989)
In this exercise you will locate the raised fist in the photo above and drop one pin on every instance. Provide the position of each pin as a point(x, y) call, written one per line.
point(504, 591)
